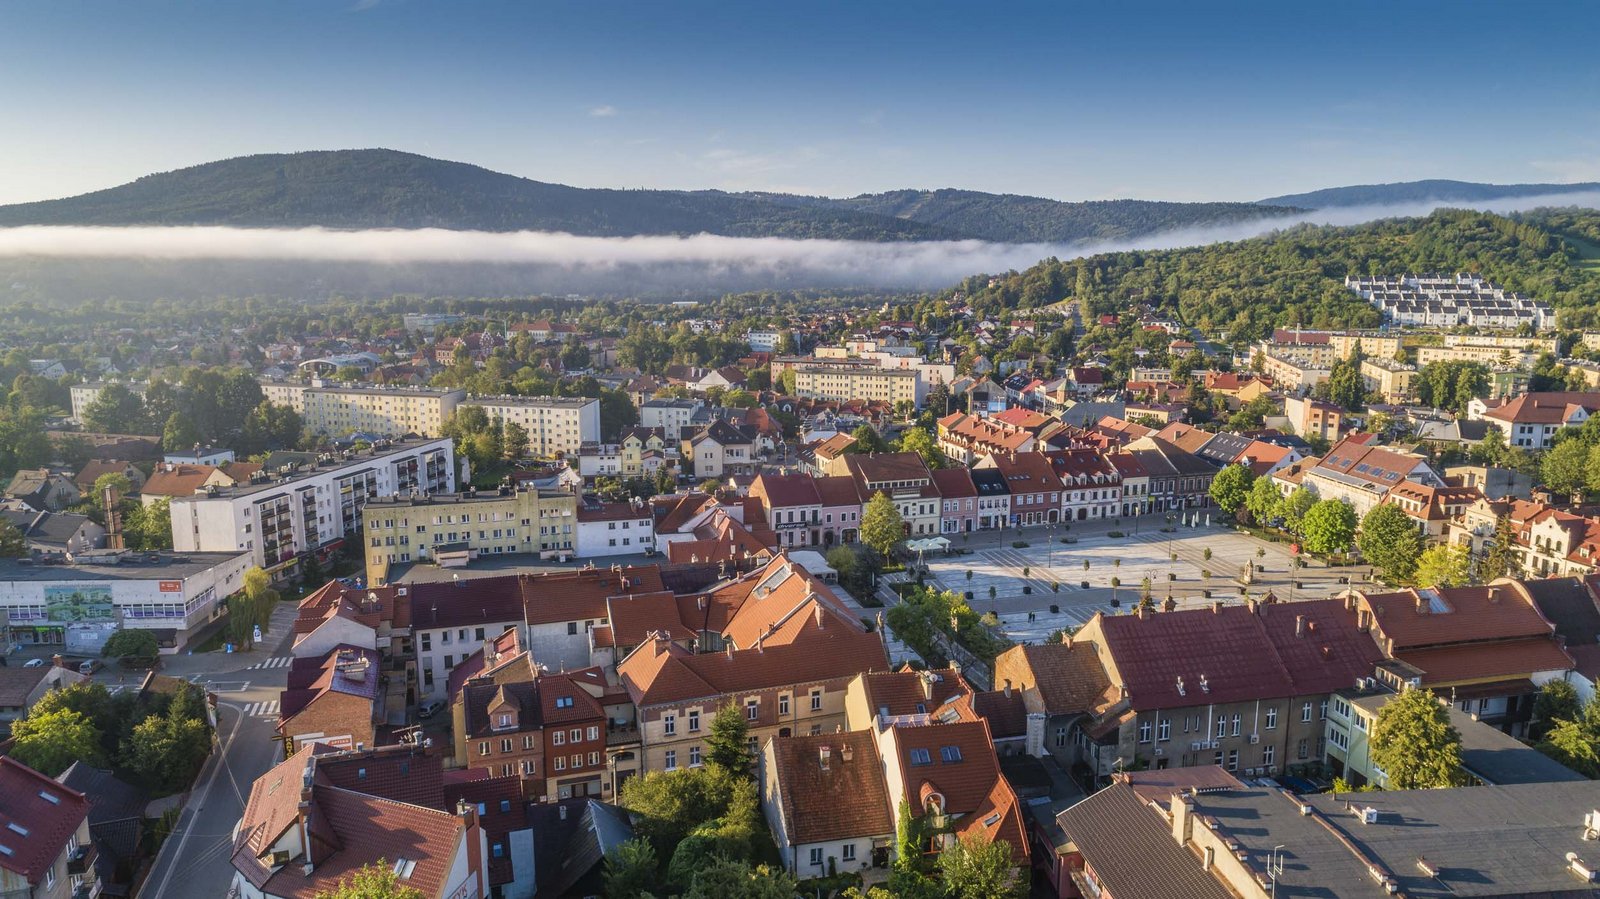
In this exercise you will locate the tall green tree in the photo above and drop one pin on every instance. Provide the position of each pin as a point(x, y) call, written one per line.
point(919, 441)
point(1557, 701)
point(1391, 541)
point(868, 440)
point(13, 545)
point(631, 870)
point(51, 741)
point(724, 878)
point(1415, 744)
point(1329, 526)
point(1231, 488)
point(1566, 467)
point(117, 410)
point(1500, 558)
point(1575, 741)
point(882, 527)
point(1295, 507)
point(1444, 565)
point(978, 868)
point(1263, 500)
point(728, 744)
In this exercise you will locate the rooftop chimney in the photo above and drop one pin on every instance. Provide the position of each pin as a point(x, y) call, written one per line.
point(824, 754)
point(1216, 606)
point(1299, 625)
point(846, 752)
point(57, 661)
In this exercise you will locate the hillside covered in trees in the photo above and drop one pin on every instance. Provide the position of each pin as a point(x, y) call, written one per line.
point(1431, 191)
point(1295, 277)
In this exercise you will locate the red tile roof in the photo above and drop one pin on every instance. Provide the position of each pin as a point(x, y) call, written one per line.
point(844, 798)
point(46, 823)
point(1233, 653)
point(962, 771)
point(1416, 618)
point(1555, 407)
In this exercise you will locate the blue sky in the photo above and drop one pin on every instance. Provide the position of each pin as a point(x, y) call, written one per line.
point(1184, 101)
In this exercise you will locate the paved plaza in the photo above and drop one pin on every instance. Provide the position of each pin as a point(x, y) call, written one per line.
point(1149, 553)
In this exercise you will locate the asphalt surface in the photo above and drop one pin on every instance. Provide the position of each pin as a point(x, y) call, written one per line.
point(194, 862)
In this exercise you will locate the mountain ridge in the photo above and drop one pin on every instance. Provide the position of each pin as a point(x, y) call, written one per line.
point(1429, 190)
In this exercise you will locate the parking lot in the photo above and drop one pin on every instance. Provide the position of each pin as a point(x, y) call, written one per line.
point(1056, 573)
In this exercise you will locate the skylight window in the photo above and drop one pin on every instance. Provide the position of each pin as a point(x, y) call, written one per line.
point(950, 754)
point(16, 828)
point(6, 850)
point(51, 798)
point(921, 757)
point(403, 868)
point(992, 820)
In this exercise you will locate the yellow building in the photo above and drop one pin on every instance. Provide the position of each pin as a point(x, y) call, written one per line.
point(556, 425)
point(451, 529)
point(848, 380)
point(1487, 355)
point(1395, 381)
point(338, 410)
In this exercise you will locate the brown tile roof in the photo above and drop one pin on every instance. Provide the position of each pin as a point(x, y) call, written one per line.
point(1554, 407)
point(673, 512)
point(834, 446)
point(909, 692)
point(367, 829)
point(1156, 787)
point(1233, 653)
point(954, 483)
point(847, 798)
point(783, 490)
point(1069, 677)
point(1569, 604)
point(877, 468)
point(635, 618)
point(1414, 618)
point(17, 682)
point(46, 825)
point(839, 490)
point(1510, 658)
point(177, 480)
point(659, 672)
point(1130, 848)
point(963, 770)
point(1006, 714)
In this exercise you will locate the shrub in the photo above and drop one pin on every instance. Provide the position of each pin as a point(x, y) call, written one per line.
point(1114, 534)
point(1055, 610)
point(1019, 544)
point(1116, 582)
point(1205, 574)
point(1055, 586)
point(1206, 554)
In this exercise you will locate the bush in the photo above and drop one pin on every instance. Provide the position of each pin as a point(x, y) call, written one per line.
point(1055, 586)
point(1116, 582)
point(1206, 553)
point(1019, 544)
point(1205, 574)
point(130, 642)
point(1055, 610)
point(1114, 534)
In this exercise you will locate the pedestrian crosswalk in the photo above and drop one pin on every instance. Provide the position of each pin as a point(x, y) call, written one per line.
point(265, 709)
point(275, 662)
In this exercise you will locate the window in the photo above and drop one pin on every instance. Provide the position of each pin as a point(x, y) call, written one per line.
point(1269, 755)
point(561, 762)
point(499, 850)
point(572, 628)
point(1237, 721)
point(1305, 712)
point(1218, 759)
point(594, 733)
point(505, 745)
point(1302, 749)
point(1222, 726)
point(1144, 731)
point(594, 758)
point(1061, 737)
point(783, 704)
point(751, 708)
point(527, 742)
point(1324, 710)
point(694, 720)
point(921, 757)
point(1164, 730)
point(483, 748)
point(669, 724)
point(558, 738)
point(694, 756)
point(1272, 718)
point(671, 760)
point(816, 856)
point(577, 760)
point(427, 641)
point(505, 720)
point(816, 700)
point(576, 736)
point(848, 852)
point(950, 754)
point(1233, 760)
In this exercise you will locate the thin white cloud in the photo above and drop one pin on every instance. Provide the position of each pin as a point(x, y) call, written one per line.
point(1570, 170)
point(749, 260)
point(603, 112)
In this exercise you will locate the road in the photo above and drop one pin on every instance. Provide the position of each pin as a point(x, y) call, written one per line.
point(193, 863)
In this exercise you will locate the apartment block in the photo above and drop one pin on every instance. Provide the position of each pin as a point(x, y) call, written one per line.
point(1396, 381)
point(556, 425)
point(846, 379)
point(339, 410)
point(452, 529)
point(308, 505)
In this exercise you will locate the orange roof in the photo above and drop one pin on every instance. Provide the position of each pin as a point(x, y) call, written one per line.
point(963, 776)
point(177, 480)
point(1419, 618)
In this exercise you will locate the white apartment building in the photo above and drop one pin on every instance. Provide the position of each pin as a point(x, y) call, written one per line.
point(84, 395)
point(556, 425)
point(338, 410)
point(763, 341)
point(673, 417)
point(305, 508)
point(1443, 302)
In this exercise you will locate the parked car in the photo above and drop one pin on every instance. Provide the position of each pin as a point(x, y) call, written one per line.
point(33, 663)
point(89, 666)
point(430, 708)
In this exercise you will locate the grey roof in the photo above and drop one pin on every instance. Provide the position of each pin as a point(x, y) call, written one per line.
point(135, 568)
point(1131, 850)
point(110, 799)
point(45, 527)
point(1568, 605)
point(1482, 841)
point(1488, 753)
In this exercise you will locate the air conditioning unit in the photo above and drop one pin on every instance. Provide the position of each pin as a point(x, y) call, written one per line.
point(1197, 745)
point(1249, 772)
point(1254, 739)
point(1160, 752)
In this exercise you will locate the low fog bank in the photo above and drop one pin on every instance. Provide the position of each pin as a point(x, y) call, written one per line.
point(72, 263)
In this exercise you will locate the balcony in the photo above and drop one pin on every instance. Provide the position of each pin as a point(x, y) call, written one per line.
point(81, 860)
point(621, 734)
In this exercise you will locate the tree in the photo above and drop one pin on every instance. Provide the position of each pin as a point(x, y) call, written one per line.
point(179, 434)
point(1294, 508)
point(48, 742)
point(1444, 565)
point(516, 441)
point(631, 869)
point(166, 751)
point(251, 607)
point(978, 868)
point(1500, 559)
point(1557, 701)
point(1263, 501)
point(13, 545)
point(1414, 742)
point(786, 381)
point(668, 805)
point(1566, 467)
point(1390, 540)
point(868, 440)
point(1344, 385)
point(1329, 526)
point(1575, 741)
point(375, 881)
point(269, 426)
point(148, 527)
point(130, 642)
point(725, 877)
point(728, 743)
point(116, 410)
point(881, 524)
point(916, 440)
point(1231, 487)
point(111, 480)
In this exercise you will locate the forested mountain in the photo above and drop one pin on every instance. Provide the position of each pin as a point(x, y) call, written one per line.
point(1422, 192)
point(1296, 276)
point(389, 189)
point(1013, 218)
